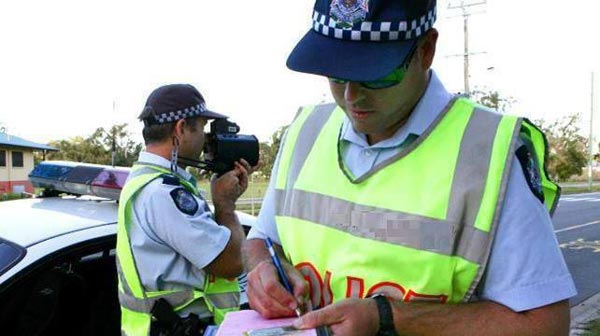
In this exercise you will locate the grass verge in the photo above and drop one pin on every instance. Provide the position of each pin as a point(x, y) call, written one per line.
point(255, 189)
point(592, 328)
point(578, 190)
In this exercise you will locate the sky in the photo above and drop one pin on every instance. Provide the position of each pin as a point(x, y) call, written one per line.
point(68, 67)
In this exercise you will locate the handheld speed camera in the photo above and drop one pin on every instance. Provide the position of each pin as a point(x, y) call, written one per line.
point(223, 146)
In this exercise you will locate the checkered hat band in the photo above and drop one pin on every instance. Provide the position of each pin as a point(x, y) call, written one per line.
point(169, 117)
point(374, 31)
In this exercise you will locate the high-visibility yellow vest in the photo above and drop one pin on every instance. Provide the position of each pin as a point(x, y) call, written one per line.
point(220, 295)
point(419, 226)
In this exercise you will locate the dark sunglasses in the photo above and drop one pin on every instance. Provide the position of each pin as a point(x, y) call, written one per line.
point(394, 78)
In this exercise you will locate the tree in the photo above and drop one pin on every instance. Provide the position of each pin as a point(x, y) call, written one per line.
point(118, 140)
point(567, 154)
point(493, 100)
point(98, 147)
point(268, 152)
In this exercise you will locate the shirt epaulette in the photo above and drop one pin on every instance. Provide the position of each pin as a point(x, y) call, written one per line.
point(170, 179)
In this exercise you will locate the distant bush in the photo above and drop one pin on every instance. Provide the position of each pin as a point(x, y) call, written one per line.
point(11, 196)
point(584, 176)
point(592, 328)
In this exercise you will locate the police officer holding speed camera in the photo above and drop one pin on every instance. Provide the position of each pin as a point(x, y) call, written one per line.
point(177, 260)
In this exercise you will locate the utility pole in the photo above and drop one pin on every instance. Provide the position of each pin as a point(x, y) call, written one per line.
point(591, 138)
point(465, 7)
point(112, 131)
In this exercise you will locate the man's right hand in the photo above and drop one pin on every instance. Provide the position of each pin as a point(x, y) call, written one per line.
point(225, 191)
point(269, 297)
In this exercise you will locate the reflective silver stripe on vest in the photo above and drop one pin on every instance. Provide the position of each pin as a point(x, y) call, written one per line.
point(224, 300)
point(145, 305)
point(455, 236)
point(468, 184)
point(306, 139)
point(379, 224)
point(142, 305)
point(469, 179)
point(507, 168)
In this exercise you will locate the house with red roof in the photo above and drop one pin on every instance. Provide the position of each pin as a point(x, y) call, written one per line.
point(16, 162)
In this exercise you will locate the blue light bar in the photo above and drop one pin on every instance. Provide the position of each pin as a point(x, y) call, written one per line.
point(80, 178)
point(47, 173)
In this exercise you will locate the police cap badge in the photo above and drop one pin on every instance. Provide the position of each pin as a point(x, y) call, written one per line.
point(349, 12)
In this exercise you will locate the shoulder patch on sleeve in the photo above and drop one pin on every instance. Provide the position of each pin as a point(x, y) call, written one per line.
point(170, 179)
point(184, 201)
point(531, 172)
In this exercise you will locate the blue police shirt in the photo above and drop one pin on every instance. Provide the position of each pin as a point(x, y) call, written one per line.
point(171, 247)
point(526, 269)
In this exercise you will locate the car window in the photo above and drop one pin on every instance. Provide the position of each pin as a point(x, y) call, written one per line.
point(10, 254)
point(72, 291)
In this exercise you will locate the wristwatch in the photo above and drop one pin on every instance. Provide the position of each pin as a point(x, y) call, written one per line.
point(386, 317)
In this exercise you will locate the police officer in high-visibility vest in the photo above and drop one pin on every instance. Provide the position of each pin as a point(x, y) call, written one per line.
point(401, 208)
point(177, 261)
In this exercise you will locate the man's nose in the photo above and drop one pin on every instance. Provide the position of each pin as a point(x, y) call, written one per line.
point(353, 92)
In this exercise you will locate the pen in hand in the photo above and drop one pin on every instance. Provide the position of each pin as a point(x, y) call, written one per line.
point(282, 277)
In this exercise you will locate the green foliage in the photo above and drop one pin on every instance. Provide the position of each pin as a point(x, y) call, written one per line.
point(592, 328)
point(268, 152)
point(493, 100)
point(567, 155)
point(98, 147)
point(10, 196)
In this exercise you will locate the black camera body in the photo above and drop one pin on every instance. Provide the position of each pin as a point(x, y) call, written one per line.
point(224, 146)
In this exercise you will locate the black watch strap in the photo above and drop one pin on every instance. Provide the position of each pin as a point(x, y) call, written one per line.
point(386, 317)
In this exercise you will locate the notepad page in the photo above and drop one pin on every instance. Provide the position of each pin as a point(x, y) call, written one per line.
point(239, 322)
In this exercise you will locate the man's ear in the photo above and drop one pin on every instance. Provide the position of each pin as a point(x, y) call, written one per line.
point(427, 48)
point(179, 128)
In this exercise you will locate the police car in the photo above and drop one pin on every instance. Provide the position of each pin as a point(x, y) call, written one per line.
point(57, 253)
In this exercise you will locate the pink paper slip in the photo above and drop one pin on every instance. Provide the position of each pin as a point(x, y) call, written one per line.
point(240, 322)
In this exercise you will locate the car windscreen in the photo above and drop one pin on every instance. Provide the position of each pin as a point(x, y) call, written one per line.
point(10, 254)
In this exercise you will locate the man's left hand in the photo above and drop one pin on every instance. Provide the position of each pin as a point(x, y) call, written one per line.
point(346, 317)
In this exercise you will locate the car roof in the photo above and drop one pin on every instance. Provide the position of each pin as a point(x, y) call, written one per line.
point(28, 221)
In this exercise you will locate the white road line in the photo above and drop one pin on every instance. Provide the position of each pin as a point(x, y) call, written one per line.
point(585, 194)
point(587, 199)
point(577, 226)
